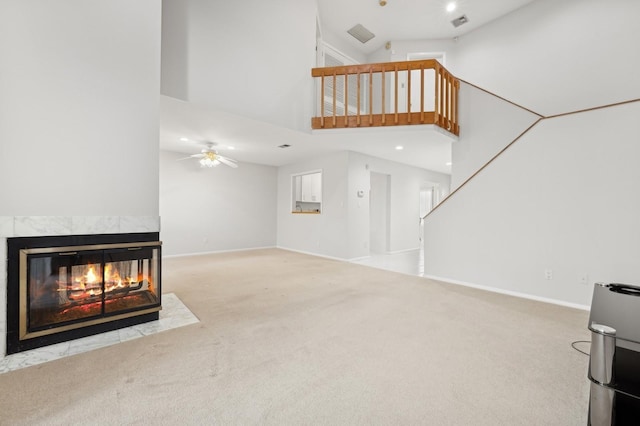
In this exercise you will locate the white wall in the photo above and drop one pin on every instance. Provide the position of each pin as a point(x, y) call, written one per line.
point(560, 198)
point(175, 49)
point(80, 86)
point(564, 197)
point(79, 102)
point(343, 47)
point(206, 210)
point(399, 49)
point(342, 230)
point(490, 123)
point(556, 56)
point(252, 58)
point(326, 233)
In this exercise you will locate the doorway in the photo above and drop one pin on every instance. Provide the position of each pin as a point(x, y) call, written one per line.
point(429, 198)
point(379, 212)
point(429, 84)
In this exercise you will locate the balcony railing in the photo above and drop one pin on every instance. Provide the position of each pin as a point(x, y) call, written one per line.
point(387, 94)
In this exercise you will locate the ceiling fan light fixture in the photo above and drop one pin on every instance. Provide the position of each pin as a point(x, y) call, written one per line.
point(210, 159)
point(208, 162)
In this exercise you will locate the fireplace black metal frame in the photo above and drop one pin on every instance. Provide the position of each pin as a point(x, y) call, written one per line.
point(15, 245)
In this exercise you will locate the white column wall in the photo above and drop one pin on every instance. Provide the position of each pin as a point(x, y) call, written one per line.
point(79, 111)
point(79, 108)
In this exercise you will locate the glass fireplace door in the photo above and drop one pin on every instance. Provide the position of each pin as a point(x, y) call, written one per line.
point(129, 276)
point(63, 288)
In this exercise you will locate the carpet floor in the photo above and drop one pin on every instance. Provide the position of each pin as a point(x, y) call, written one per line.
point(290, 339)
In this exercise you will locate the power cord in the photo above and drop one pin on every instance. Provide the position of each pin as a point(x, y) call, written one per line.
point(573, 345)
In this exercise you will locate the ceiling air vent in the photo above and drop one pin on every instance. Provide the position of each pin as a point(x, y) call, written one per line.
point(361, 34)
point(459, 21)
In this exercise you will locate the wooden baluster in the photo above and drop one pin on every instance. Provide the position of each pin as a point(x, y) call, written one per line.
point(456, 127)
point(436, 99)
point(358, 112)
point(322, 102)
point(409, 94)
point(442, 89)
point(370, 97)
point(446, 100)
point(383, 97)
point(443, 113)
point(396, 94)
point(334, 99)
point(450, 103)
point(422, 93)
point(346, 100)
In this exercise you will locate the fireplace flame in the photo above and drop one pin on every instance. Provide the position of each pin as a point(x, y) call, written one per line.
point(91, 276)
point(87, 282)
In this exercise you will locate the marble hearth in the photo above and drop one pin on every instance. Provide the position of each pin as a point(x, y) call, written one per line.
point(35, 226)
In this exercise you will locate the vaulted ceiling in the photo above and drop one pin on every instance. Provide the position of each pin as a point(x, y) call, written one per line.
point(408, 19)
point(256, 140)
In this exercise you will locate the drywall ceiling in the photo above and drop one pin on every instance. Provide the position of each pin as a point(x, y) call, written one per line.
point(257, 142)
point(407, 19)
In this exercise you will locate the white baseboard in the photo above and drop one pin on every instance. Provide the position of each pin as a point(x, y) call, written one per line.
point(358, 259)
point(511, 293)
point(403, 251)
point(203, 253)
point(312, 254)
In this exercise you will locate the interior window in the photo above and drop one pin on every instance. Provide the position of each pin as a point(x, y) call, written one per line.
point(306, 193)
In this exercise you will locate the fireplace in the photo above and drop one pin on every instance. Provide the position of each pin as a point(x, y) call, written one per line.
point(65, 287)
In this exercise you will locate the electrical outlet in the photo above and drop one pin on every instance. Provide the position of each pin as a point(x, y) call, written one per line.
point(548, 274)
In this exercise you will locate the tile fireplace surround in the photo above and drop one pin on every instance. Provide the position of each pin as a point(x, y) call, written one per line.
point(37, 226)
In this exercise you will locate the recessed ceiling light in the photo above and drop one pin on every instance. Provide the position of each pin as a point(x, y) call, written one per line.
point(231, 147)
point(451, 7)
point(399, 147)
point(448, 163)
point(184, 139)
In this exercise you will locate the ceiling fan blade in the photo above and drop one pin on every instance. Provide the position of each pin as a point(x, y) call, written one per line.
point(190, 157)
point(228, 161)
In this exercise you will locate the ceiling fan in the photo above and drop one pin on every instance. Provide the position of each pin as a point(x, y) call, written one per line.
point(209, 157)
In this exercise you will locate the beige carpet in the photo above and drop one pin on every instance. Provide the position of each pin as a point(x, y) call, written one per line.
point(291, 339)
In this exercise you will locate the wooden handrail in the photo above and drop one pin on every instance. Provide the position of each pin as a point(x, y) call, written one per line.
point(442, 111)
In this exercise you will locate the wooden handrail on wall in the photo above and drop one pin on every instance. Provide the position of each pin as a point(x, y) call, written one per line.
point(371, 108)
